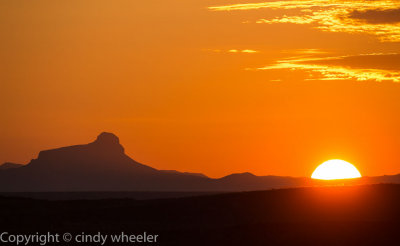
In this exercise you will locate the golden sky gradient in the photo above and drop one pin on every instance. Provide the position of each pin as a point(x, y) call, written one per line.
point(217, 87)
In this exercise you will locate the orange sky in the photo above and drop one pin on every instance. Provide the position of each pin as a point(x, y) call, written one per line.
point(205, 86)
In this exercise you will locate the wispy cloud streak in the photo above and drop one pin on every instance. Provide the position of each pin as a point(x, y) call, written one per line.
point(320, 71)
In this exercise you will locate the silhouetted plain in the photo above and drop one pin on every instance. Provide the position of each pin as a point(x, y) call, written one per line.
point(349, 215)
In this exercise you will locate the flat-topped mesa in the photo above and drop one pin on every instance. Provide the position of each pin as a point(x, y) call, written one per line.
point(109, 141)
point(107, 138)
point(106, 146)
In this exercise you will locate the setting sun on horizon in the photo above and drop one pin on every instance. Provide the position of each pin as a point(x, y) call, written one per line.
point(336, 169)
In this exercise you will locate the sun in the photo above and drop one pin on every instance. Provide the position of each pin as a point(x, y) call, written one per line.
point(336, 169)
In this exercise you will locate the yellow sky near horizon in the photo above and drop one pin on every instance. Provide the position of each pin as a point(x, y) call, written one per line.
point(269, 87)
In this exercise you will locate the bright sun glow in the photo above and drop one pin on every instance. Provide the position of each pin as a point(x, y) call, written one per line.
point(335, 169)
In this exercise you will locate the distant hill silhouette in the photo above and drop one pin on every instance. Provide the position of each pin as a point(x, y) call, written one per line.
point(9, 165)
point(187, 173)
point(103, 166)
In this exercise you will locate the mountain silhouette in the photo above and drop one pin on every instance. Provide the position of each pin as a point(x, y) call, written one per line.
point(102, 165)
point(98, 166)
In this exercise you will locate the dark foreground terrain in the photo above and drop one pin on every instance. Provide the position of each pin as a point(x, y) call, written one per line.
point(353, 215)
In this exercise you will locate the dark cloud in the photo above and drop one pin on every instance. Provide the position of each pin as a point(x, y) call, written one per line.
point(377, 16)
